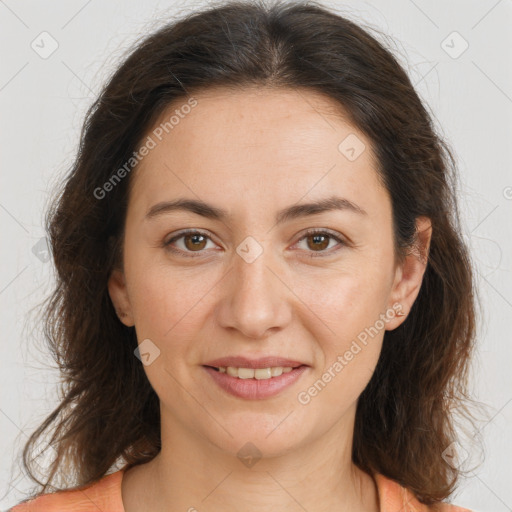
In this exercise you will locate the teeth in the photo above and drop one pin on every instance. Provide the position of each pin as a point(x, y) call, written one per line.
point(255, 373)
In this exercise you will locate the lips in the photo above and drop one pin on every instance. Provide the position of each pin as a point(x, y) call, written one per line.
point(262, 362)
point(232, 374)
point(252, 388)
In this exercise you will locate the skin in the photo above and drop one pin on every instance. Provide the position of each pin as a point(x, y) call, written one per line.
point(253, 153)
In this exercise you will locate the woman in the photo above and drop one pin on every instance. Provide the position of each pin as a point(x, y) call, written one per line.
point(263, 297)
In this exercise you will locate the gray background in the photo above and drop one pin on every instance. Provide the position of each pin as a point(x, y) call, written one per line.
point(43, 98)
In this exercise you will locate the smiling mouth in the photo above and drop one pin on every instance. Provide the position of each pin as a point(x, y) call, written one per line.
point(255, 383)
point(254, 373)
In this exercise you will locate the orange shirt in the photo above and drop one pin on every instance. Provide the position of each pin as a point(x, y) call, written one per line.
point(105, 495)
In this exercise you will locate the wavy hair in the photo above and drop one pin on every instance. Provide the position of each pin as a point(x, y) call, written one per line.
point(109, 412)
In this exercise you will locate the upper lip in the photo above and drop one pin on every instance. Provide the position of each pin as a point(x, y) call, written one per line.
point(262, 362)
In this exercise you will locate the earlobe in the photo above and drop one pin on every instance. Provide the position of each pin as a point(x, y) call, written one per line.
point(119, 297)
point(410, 272)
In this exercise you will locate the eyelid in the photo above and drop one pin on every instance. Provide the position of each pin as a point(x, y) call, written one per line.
point(190, 231)
point(342, 242)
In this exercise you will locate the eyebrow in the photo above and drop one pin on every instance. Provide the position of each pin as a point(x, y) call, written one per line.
point(292, 212)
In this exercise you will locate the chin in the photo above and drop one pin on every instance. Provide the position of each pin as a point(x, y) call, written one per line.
point(259, 435)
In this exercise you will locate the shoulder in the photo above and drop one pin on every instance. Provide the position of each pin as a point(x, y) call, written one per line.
point(394, 497)
point(105, 494)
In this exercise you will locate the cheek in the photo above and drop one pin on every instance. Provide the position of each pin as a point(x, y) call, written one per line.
point(353, 294)
point(340, 299)
point(167, 302)
point(348, 329)
point(345, 311)
point(338, 385)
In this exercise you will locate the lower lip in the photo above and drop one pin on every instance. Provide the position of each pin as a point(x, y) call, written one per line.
point(254, 389)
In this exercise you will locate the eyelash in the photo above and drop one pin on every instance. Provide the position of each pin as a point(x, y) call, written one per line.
point(190, 254)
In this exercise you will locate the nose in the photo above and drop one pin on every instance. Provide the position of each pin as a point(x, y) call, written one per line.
point(255, 298)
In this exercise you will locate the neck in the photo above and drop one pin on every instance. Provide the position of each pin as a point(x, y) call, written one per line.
point(191, 474)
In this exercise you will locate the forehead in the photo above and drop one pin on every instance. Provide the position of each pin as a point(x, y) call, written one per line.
point(263, 123)
point(256, 144)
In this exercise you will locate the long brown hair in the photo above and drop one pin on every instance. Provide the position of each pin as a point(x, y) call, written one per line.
point(109, 412)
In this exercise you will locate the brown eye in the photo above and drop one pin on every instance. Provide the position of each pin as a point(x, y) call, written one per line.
point(318, 241)
point(191, 241)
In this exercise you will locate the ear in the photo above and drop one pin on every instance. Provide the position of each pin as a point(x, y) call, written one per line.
point(119, 296)
point(409, 274)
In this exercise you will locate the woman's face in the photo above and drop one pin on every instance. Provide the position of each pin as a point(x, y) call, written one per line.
point(249, 281)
